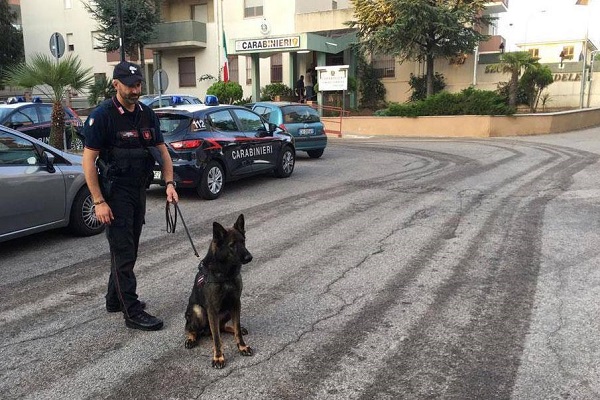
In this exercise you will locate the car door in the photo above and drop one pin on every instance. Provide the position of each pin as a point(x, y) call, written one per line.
point(236, 146)
point(31, 196)
point(262, 148)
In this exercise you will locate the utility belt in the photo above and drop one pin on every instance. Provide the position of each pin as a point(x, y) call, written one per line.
point(111, 175)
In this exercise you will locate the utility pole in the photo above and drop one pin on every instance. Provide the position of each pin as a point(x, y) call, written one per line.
point(121, 33)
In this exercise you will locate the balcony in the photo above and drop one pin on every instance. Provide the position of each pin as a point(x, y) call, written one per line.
point(496, 7)
point(492, 45)
point(179, 35)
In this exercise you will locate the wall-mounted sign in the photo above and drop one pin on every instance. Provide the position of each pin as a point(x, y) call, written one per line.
point(334, 77)
point(254, 45)
point(265, 27)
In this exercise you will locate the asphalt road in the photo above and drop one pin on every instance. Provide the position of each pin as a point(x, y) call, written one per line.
point(391, 268)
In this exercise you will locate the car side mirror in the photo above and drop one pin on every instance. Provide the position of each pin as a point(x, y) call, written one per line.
point(272, 127)
point(48, 160)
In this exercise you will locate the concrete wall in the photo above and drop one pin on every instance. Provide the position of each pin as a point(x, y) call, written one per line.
point(468, 125)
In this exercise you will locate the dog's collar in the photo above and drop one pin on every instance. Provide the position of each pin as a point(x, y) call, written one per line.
point(206, 277)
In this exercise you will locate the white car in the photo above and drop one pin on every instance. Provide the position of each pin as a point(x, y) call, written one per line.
point(156, 101)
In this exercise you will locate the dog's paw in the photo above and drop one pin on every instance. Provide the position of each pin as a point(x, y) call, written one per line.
point(189, 343)
point(218, 362)
point(246, 350)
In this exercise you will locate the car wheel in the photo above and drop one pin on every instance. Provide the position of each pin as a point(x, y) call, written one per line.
point(83, 221)
point(315, 153)
point(285, 163)
point(212, 181)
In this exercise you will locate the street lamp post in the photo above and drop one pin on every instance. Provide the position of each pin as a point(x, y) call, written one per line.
point(120, 22)
point(593, 55)
point(585, 55)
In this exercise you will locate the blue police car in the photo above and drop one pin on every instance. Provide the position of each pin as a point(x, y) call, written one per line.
point(211, 145)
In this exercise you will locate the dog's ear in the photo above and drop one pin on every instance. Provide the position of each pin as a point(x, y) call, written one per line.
point(219, 232)
point(239, 224)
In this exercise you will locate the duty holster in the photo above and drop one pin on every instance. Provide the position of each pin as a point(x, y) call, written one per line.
point(106, 177)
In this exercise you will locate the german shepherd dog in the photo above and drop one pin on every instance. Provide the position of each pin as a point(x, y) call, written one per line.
point(217, 290)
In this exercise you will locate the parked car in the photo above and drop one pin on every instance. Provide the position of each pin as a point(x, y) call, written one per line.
point(35, 119)
point(300, 120)
point(42, 188)
point(166, 100)
point(211, 145)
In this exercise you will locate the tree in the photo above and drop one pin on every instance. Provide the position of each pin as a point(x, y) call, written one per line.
point(100, 90)
point(11, 40)
point(514, 63)
point(420, 30)
point(53, 79)
point(140, 18)
point(534, 80)
point(227, 92)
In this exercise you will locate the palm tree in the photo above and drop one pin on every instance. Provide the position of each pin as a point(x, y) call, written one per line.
point(52, 78)
point(514, 63)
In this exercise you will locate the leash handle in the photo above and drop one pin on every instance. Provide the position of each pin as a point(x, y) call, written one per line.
point(172, 222)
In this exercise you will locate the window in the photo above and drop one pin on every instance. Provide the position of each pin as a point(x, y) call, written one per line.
point(200, 13)
point(96, 40)
point(24, 116)
point(250, 122)
point(187, 72)
point(234, 69)
point(68, 4)
point(385, 66)
point(46, 114)
point(253, 8)
point(248, 70)
point(222, 121)
point(16, 151)
point(534, 52)
point(276, 68)
point(70, 44)
point(567, 53)
point(333, 4)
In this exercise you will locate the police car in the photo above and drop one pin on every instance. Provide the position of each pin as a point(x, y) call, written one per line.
point(210, 145)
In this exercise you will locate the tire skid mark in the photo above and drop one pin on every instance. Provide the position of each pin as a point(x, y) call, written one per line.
point(375, 312)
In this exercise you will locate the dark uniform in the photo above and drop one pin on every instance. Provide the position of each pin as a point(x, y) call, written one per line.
point(125, 165)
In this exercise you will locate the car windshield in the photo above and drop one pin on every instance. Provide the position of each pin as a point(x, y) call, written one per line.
point(171, 124)
point(4, 112)
point(299, 114)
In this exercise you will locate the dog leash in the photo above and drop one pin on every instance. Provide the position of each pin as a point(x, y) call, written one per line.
point(172, 223)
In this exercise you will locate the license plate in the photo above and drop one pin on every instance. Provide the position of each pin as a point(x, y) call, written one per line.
point(157, 175)
point(306, 131)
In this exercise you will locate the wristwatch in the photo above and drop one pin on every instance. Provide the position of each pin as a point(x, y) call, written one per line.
point(171, 183)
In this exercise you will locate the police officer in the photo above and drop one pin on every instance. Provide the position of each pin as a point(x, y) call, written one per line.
point(121, 135)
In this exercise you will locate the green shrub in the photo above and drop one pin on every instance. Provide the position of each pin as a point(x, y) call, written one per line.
point(470, 101)
point(418, 85)
point(269, 92)
point(226, 92)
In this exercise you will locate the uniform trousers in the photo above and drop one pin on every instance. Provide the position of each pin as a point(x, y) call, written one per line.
point(128, 205)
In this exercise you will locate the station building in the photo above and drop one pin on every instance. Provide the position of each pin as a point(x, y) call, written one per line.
point(270, 41)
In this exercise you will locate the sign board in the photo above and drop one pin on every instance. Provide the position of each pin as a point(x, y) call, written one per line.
point(270, 44)
point(160, 79)
point(57, 45)
point(333, 77)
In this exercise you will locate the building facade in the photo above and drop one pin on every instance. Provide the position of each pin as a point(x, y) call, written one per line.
point(269, 41)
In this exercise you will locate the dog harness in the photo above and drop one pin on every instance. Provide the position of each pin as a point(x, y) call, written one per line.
point(205, 277)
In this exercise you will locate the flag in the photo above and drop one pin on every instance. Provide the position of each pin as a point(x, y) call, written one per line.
point(225, 61)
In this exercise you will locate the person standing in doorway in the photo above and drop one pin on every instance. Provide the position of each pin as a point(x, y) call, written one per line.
point(309, 84)
point(300, 89)
point(122, 142)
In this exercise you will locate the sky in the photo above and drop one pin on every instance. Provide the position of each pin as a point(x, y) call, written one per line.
point(547, 20)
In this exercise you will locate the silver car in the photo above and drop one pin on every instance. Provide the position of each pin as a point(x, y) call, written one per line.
point(42, 188)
